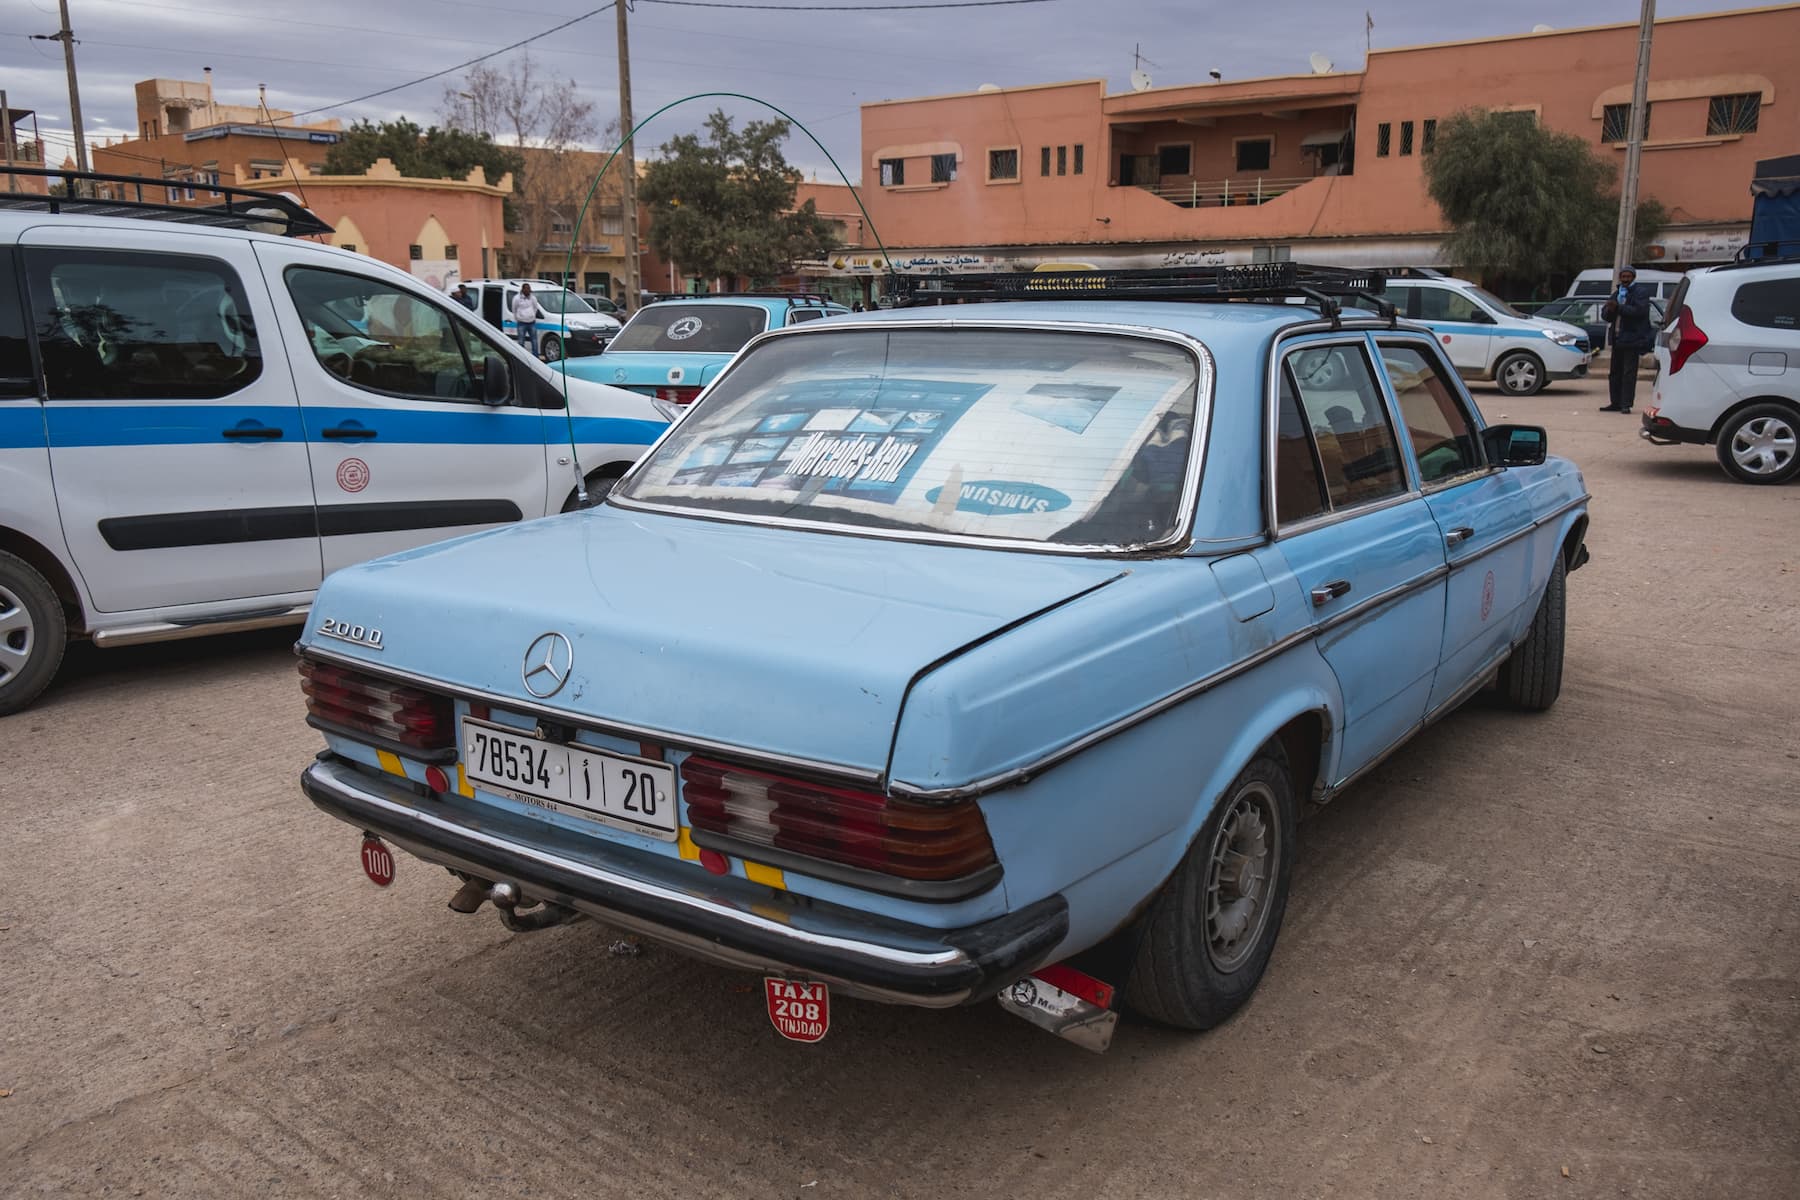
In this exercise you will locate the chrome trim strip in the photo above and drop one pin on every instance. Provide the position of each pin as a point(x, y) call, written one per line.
point(1334, 516)
point(620, 729)
point(1398, 592)
point(1536, 524)
point(171, 631)
point(1178, 539)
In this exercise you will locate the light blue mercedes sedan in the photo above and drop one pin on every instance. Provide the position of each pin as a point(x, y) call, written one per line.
point(935, 648)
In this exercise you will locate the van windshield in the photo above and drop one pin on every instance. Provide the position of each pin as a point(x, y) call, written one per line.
point(1073, 439)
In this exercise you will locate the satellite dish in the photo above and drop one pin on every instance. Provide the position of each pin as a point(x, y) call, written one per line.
point(1542, 28)
point(1320, 64)
point(1140, 81)
point(988, 87)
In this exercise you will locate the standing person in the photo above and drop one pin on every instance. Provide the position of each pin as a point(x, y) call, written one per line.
point(526, 312)
point(462, 297)
point(1628, 314)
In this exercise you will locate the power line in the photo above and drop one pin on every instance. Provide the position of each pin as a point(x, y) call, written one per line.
point(859, 8)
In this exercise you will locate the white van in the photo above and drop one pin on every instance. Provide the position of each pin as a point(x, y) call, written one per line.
point(1598, 281)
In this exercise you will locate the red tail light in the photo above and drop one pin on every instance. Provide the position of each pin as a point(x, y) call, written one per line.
point(1690, 337)
point(840, 825)
point(678, 395)
point(389, 712)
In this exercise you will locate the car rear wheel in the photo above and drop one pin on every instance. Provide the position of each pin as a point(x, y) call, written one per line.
point(550, 349)
point(1520, 374)
point(1208, 934)
point(1531, 678)
point(32, 633)
point(1761, 444)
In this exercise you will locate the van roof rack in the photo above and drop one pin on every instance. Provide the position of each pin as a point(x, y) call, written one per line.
point(241, 208)
point(1322, 286)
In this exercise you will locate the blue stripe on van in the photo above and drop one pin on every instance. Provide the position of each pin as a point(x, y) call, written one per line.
point(21, 426)
point(73, 425)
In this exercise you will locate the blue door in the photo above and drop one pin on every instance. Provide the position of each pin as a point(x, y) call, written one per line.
point(1360, 541)
point(1481, 512)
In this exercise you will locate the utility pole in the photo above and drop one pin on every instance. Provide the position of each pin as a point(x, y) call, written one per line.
point(67, 37)
point(628, 192)
point(6, 136)
point(1634, 147)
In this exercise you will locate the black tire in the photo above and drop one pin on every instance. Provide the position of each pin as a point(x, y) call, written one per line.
point(33, 633)
point(1183, 971)
point(598, 485)
point(1768, 451)
point(1521, 373)
point(1532, 678)
point(550, 348)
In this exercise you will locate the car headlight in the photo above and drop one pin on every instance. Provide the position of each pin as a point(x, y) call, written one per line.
point(1562, 338)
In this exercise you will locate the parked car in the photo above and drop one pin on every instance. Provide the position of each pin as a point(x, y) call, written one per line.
point(1729, 369)
point(602, 303)
point(672, 348)
point(571, 327)
point(1586, 314)
point(1597, 283)
point(924, 653)
point(199, 422)
point(1486, 338)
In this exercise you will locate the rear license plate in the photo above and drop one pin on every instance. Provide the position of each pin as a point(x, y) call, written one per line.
point(630, 793)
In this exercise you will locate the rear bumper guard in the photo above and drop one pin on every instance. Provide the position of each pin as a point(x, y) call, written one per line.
point(721, 919)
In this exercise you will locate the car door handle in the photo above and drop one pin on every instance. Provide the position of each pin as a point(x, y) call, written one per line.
point(251, 430)
point(1459, 535)
point(347, 431)
point(1325, 593)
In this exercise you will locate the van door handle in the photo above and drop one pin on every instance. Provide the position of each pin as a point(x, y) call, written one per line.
point(251, 430)
point(351, 430)
point(1325, 593)
point(1459, 535)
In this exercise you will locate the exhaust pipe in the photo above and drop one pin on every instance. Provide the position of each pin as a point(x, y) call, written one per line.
point(505, 898)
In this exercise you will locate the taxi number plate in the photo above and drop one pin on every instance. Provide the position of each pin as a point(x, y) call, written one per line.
point(631, 793)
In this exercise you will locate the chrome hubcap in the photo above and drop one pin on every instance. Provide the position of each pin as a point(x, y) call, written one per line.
point(16, 635)
point(1764, 445)
point(1240, 877)
point(1519, 375)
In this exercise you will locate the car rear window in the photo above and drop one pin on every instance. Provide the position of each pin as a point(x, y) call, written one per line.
point(692, 328)
point(1770, 303)
point(1066, 438)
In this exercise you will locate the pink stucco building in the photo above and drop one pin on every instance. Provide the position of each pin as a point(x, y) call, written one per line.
point(1325, 167)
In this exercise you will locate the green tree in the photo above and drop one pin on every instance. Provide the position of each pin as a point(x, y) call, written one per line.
point(723, 205)
point(1525, 201)
point(432, 153)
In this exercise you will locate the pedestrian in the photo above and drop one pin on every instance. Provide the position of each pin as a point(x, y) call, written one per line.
point(1627, 314)
point(462, 297)
point(526, 312)
point(856, 306)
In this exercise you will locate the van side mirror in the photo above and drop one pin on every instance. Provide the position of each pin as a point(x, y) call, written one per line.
point(1515, 445)
point(496, 380)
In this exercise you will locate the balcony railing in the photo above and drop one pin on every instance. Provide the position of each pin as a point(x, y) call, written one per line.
point(1223, 193)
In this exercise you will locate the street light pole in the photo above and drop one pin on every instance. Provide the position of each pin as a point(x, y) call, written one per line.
point(1634, 147)
point(628, 189)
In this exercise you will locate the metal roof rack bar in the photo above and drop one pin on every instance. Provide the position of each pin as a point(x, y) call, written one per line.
point(242, 208)
point(1247, 281)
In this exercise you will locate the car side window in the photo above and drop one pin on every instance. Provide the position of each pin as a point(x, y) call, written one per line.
point(17, 379)
point(1443, 436)
point(1769, 303)
point(481, 347)
point(121, 325)
point(1359, 456)
point(1446, 304)
point(799, 315)
point(1299, 489)
point(382, 338)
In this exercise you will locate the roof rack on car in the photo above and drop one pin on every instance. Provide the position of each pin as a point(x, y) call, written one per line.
point(123, 196)
point(1756, 254)
point(1321, 286)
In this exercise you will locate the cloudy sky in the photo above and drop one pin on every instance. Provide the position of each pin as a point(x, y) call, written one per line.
point(818, 66)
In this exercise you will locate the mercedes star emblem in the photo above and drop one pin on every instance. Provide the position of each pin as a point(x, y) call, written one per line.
point(547, 663)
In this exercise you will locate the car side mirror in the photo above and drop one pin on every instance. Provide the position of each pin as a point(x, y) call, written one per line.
point(496, 380)
point(1515, 445)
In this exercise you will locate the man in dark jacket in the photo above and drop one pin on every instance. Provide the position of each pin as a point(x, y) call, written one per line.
point(1628, 313)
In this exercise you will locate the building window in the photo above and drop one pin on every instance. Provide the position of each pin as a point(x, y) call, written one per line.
point(1734, 114)
point(612, 222)
point(893, 172)
point(1384, 135)
point(1062, 160)
point(350, 246)
point(450, 250)
point(943, 168)
point(1428, 136)
point(1044, 160)
point(1003, 164)
point(1079, 154)
point(1255, 154)
point(415, 252)
point(1175, 160)
point(1270, 254)
point(1406, 138)
point(1615, 122)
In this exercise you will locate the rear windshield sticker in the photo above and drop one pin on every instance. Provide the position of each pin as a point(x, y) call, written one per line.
point(683, 328)
point(1070, 406)
point(998, 497)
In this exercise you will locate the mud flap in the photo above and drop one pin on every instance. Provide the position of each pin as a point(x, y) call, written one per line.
point(1073, 1006)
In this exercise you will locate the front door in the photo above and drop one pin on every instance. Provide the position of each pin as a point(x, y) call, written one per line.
point(405, 452)
point(178, 450)
point(1463, 327)
point(1481, 511)
point(1361, 543)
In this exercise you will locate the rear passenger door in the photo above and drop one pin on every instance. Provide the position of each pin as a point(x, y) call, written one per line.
point(1360, 541)
point(1481, 511)
point(405, 452)
point(178, 450)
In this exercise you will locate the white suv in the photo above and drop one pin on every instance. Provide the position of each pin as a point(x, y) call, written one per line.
point(1729, 369)
point(199, 422)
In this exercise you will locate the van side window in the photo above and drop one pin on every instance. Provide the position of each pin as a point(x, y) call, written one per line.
point(124, 325)
point(1359, 457)
point(16, 376)
point(1442, 435)
point(1445, 304)
point(380, 337)
point(1769, 303)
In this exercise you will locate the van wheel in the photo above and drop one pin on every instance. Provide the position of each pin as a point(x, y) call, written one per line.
point(1520, 374)
point(598, 485)
point(550, 349)
point(1207, 936)
point(1531, 677)
point(1758, 445)
point(33, 633)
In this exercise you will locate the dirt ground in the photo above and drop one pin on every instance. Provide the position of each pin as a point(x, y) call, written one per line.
point(1530, 956)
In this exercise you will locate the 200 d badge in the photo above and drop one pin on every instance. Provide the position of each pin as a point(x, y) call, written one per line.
point(344, 631)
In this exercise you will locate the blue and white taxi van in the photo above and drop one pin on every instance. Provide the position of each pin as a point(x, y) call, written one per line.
point(1486, 338)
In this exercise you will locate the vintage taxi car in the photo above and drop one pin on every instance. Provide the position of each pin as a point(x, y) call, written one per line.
point(935, 646)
